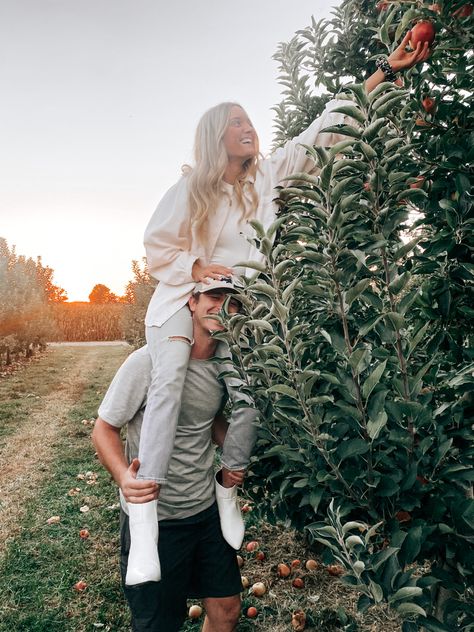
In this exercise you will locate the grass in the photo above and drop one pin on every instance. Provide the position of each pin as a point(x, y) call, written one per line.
point(44, 561)
point(40, 568)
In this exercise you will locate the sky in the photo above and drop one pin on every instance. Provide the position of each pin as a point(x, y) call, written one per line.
point(100, 101)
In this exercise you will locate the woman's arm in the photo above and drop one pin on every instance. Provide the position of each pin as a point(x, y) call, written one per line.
point(399, 60)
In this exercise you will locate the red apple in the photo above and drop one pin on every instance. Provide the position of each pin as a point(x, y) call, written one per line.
point(252, 612)
point(260, 555)
point(418, 184)
point(84, 534)
point(298, 620)
point(423, 31)
point(311, 565)
point(403, 516)
point(80, 586)
point(429, 105)
point(336, 570)
point(252, 546)
point(195, 612)
point(463, 12)
point(259, 589)
point(295, 564)
point(283, 570)
point(298, 582)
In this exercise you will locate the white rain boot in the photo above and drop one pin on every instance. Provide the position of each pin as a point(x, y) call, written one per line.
point(232, 524)
point(143, 562)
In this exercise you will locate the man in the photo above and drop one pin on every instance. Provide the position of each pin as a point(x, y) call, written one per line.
point(196, 560)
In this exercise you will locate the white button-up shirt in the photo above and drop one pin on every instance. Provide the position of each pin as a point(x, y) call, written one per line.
point(171, 243)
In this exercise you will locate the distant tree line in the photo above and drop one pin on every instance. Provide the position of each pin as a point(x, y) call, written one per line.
point(26, 292)
point(33, 310)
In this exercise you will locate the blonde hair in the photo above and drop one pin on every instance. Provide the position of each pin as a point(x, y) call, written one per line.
point(206, 178)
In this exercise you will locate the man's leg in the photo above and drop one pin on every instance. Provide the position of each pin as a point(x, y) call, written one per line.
point(222, 614)
point(159, 606)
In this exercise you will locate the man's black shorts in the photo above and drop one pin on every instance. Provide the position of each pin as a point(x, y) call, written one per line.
point(195, 561)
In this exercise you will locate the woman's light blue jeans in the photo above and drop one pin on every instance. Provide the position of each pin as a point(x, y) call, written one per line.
point(169, 347)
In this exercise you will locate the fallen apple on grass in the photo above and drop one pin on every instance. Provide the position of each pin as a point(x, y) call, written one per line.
point(84, 534)
point(251, 546)
point(311, 565)
point(252, 612)
point(298, 582)
point(298, 620)
point(195, 612)
point(335, 570)
point(258, 589)
point(80, 586)
point(283, 570)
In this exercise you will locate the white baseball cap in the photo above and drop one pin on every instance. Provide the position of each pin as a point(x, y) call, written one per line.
point(230, 283)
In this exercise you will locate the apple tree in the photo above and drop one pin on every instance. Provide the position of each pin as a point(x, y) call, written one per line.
point(357, 340)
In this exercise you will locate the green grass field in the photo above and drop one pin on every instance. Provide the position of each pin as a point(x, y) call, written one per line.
point(50, 471)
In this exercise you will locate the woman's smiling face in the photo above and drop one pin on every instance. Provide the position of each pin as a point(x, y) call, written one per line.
point(240, 137)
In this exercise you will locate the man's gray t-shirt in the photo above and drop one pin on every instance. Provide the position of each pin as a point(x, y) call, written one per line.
point(190, 481)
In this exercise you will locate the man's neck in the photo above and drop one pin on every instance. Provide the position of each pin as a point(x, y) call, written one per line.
point(203, 348)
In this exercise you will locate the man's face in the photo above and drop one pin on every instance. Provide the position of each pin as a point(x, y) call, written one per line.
point(207, 304)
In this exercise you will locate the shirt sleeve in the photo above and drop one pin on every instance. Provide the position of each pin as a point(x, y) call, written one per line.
point(168, 238)
point(292, 157)
point(127, 392)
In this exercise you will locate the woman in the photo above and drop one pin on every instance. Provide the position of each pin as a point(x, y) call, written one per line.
point(198, 233)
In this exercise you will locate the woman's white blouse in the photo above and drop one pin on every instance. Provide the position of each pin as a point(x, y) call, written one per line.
point(171, 244)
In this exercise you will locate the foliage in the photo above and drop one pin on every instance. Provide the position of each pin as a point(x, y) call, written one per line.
point(26, 290)
point(102, 295)
point(137, 295)
point(357, 345)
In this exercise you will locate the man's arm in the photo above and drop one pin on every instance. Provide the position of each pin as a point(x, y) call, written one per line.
point(109, 446)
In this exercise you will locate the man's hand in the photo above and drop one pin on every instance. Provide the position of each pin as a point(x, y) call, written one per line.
point(137, 491)
point(402, 59)
point(229, 478)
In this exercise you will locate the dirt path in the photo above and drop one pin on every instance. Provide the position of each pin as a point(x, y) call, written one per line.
point(27, 454)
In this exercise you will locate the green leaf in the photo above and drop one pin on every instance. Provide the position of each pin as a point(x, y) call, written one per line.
point(376, 591)
point(373, 129)
point(412, 544)
point(352, 111)
point(343, 130)
point(305, 177)
point(253, 265)
point(263, 288)
point(406, 248)
point(374, 427)
point(340, 147)
point(405, 593)
point(261, 324)
point(359, 91)
point(283, 389)
point(351, 448)
point(356, 291)
point(373, 379)
point(410, 609)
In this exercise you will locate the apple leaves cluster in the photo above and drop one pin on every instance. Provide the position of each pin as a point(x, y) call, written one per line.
point(357, 344)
